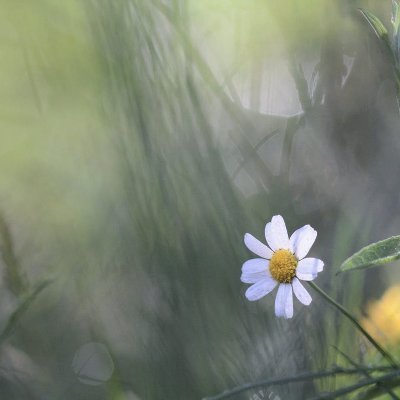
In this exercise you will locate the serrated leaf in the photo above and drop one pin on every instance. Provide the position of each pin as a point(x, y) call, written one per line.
point(377, 253)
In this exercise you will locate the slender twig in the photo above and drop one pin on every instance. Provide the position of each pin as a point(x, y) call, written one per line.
point(256, 147)
point(13, 270)
point(20, 310)
point(377, 390)
point(381, 387)
point(352, 388)
point(345, 312)
point(292, 126)
point(298, 378)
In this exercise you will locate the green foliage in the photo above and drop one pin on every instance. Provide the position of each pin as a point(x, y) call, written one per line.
point(378, 253)
point(21, 310)
point(126, 134)
point(382, 33)
point(376, 24)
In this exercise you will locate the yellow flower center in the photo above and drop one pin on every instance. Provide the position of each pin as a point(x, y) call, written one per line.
point(283, 266)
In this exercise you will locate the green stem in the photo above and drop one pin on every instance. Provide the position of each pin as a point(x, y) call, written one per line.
point(297, 378)
point(379, 386)
point(384, 353)
point(359, 385)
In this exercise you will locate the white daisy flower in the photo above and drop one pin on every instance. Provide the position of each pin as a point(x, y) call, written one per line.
point(283, 263)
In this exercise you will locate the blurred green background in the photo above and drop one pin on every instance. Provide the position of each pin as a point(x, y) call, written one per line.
point(140, 139)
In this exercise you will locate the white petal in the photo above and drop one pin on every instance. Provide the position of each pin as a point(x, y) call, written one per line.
point(255, 270)
point(280, 301)
point(300, 292)
point(302, 240)
point(320, 266)
point(276, 234)
point(284, 301)
point(306, 277)
point(260, 289)
point(289, 304)
point(310, 266)
point(255, 265)
point(257, 247)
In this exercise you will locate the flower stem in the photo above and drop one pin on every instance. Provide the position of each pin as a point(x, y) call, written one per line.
point(384, 353)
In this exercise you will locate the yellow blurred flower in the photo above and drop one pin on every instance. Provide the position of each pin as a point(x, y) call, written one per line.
point(383, 320)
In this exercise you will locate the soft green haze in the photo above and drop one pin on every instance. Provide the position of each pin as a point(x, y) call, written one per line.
point(140, 139)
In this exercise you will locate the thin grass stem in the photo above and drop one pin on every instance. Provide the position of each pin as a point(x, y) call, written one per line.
point(299, 378)
point(345, 312)
point(359, 385)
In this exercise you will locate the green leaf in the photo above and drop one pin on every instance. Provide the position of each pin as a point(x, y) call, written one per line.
point(20, 310)
point(376, 24)
point(377, 253)
point(382, 33)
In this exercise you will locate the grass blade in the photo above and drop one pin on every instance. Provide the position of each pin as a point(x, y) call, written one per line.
point(21, 309)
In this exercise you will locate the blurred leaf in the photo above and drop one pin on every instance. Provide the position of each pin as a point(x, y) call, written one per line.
point(395, 16)
point(301, 84)
point(377, 253)
point(20, 310)
point(13, 271)
point(382, 33)
point(396, 24)
point(376, 24)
